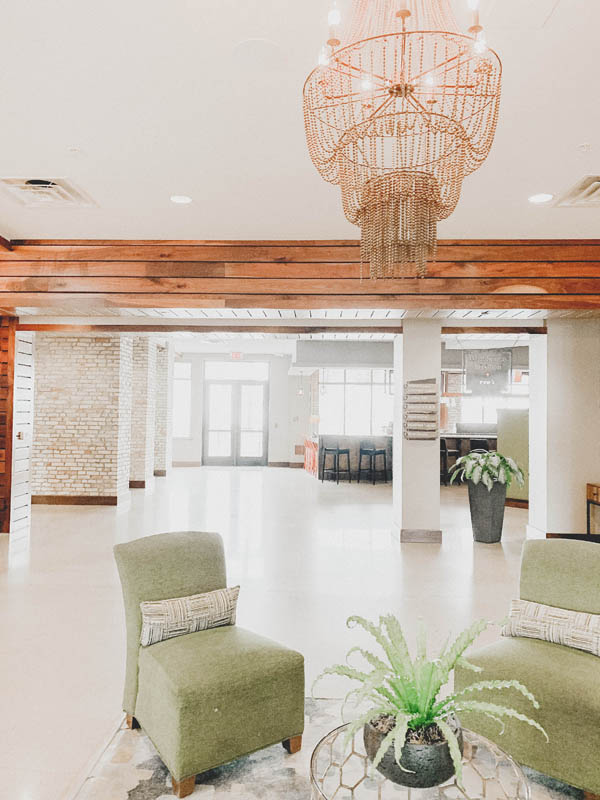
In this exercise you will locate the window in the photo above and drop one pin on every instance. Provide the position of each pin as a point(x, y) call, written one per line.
point(355, 402)
point(182, 399)
point(469, 408)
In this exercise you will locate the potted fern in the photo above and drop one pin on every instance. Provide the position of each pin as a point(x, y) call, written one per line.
point(488, 476)
point(410, 728)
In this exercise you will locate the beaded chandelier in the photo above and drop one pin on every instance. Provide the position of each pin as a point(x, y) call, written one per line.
point(402, 107)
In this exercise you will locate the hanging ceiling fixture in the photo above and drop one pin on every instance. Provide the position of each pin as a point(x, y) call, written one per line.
point(400, 109)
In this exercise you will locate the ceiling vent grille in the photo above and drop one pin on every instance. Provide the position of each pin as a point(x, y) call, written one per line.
point(49, 192)
point(585, 194)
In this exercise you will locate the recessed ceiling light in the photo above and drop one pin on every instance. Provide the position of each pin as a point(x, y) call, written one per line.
point(180, 198)
point(542, 197)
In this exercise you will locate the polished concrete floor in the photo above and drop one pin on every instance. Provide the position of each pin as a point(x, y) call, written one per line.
point(306, 555)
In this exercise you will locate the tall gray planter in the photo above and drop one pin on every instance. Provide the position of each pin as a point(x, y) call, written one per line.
point(487, 511)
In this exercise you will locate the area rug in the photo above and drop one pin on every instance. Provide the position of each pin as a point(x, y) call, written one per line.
point(130, 769)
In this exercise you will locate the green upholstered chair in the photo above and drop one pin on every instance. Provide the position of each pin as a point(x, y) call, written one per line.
point(205, 698)
point(566, 682)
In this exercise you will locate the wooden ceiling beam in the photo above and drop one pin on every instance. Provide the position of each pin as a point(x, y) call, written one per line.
point(119, 327)
point(301, 301)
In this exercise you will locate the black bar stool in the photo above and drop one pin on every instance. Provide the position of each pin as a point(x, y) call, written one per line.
point(445, 453)
point(479, 444)
point(335, 453)
point(369, 450)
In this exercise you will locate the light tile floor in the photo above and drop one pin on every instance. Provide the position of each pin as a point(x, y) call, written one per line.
point(306, 555)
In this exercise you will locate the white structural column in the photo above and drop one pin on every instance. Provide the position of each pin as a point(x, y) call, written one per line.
point(163, 436)
point(565, 429)
point(143, 412)
point(417, 356)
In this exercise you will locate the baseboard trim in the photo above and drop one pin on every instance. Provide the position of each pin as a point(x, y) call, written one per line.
point(73, 500)
point(186, 464)
point(420, 536)
point(513, 503)
point(160, 473)
point(137, 484)
point(296, 464)
point(580, 537)
point(278, 464)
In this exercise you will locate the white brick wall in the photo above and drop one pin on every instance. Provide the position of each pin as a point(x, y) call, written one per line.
point(163, 439)
point(143, 409)
point(79, 393)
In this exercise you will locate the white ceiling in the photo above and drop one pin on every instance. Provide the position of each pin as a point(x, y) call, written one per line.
point(135, 101)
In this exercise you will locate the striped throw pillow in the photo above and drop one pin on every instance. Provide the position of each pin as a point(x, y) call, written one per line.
point(165, 619)
point(571, 628)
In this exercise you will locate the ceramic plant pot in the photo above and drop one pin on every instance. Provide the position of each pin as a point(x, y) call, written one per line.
point(425, 765)
point(487, 511)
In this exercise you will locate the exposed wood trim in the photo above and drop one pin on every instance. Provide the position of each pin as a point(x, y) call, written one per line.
point(5, 243)
point(137, 484)
point(513, 503)
point(160, 473)
point(74, 500)
point(531, 329)
point(303, 301)
point(191, 327)
point(7, 370)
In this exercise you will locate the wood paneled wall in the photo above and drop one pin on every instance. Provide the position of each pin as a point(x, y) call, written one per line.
point(7, 370)
point(295, 274)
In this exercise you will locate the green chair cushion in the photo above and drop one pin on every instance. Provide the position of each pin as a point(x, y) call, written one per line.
point(209, 697)
point(566, 683)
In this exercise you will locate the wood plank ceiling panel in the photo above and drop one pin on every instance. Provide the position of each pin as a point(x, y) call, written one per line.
point(231, 278)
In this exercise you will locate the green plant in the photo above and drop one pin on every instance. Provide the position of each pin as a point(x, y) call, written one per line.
point(409, 690)
point(488, 468)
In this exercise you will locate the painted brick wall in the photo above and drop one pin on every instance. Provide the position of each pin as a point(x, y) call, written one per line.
point(163, 439)
point(81, 386)
point(143, 409)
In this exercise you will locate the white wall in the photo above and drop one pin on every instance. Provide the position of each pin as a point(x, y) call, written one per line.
point(282, 422)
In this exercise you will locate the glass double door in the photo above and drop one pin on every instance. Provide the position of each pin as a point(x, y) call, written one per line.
point(235, 423)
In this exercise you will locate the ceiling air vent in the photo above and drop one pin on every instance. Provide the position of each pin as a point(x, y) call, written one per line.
point(55, 192)
point(585, 194)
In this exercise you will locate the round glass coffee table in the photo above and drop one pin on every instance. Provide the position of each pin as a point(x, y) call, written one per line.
point(343, 773)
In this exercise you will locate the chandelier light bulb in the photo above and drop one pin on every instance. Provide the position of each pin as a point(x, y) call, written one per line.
point(323, 57)
point(366, 85)
point(335, 15)
point(480, 43)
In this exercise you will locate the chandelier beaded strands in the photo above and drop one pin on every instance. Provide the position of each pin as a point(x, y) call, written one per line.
point(402, 106)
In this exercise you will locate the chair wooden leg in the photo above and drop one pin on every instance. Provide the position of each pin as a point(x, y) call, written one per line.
point(293, 745)
point(184, 787)
point(590, 796)
point(131, 722)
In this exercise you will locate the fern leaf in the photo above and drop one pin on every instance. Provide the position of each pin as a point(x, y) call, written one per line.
point(454, 748)
point(383, 748)
point(480, 686)
point(461, 643)
point(379, 636)
point(400, 738)
point(401, 651)
point(370, 658)
point(462, 662)
point(499, 711)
